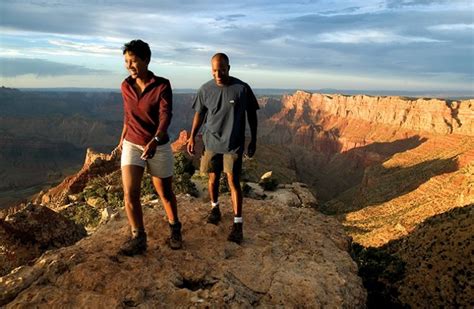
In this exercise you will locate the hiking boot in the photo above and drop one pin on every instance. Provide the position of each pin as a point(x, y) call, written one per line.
point(134, 245)
point(236, 234)
point(175, 241)
point(214, 215)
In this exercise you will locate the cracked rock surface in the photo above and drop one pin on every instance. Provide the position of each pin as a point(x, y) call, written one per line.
point(290, 257)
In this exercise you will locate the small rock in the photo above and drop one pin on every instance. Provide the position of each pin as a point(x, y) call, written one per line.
point(106, 214)
point(196, 299)
point(74, 198)
point(95, 201)
point(267, 175)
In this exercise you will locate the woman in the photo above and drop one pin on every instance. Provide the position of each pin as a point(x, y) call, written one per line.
point(144, 142)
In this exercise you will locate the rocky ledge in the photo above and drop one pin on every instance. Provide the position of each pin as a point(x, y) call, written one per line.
point(290, 257)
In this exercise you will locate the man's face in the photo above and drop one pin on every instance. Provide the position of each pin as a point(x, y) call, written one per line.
point(220, 71)
point(135, 65)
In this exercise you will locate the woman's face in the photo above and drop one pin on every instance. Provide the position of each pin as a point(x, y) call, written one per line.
point(136, 66)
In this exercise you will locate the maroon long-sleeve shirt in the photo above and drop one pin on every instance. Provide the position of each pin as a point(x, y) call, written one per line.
point(149, 113)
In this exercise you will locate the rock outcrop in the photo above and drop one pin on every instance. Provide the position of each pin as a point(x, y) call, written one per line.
point(384, 164)
point(358, 126)
point(96, 164)
point(292, 195)
point(432, 116)
point(180, 145)
point(290, 257)
point(31, 231)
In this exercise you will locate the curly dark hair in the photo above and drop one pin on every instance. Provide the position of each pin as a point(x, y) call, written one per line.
point(138, 48)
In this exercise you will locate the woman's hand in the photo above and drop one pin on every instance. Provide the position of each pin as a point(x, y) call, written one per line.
point(118, 150)
point(149, 150)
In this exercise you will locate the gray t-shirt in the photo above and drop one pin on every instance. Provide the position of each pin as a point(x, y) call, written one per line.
point(224, 109)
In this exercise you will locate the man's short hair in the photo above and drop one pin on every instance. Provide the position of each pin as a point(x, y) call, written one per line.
point(221, 56)
point(138, 48)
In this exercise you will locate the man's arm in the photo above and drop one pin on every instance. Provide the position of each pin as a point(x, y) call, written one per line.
point(253, 123)
point(197, 122)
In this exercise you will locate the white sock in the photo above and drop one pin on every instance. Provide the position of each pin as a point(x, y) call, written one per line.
point(238, 220)
point(136, 232)
point(216, 204)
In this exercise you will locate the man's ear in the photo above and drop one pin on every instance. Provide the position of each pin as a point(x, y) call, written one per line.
point(229, 67)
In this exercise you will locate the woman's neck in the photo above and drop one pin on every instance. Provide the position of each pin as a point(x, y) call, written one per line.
point(141, 81)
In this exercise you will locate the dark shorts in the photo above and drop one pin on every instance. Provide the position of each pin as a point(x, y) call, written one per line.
point(212, 162)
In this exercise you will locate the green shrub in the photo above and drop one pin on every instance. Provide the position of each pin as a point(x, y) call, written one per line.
point(223, 184)
point(147, 187)
point(379, 271)
point(183, 171)
point(108, 188)
point(182, 164)
point(83, 214)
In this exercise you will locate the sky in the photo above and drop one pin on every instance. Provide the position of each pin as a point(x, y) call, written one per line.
point(410, 45)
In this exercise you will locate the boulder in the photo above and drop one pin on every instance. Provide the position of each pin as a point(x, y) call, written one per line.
point(29, 232)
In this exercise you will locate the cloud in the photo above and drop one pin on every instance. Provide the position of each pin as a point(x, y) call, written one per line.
point(408, 3)
point(90, 48)
point(231, 17)
point(370, 36)
point(12, 67)
point(375, 37)
point(344, 11)
point(38, 17)
point(452, 27)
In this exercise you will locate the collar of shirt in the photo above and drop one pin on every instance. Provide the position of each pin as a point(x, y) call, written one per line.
point(151, 82)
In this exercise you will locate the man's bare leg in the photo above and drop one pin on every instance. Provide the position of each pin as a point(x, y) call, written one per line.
point(215, 214)
point(236, 235)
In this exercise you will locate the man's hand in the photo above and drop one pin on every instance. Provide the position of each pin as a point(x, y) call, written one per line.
point(190, 146)
point(251, 148)
point(149, 150)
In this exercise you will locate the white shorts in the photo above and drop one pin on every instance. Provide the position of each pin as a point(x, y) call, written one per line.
point(161, 165)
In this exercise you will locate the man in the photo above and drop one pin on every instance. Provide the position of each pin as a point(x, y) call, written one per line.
point(222, 104)
point(144, 142)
